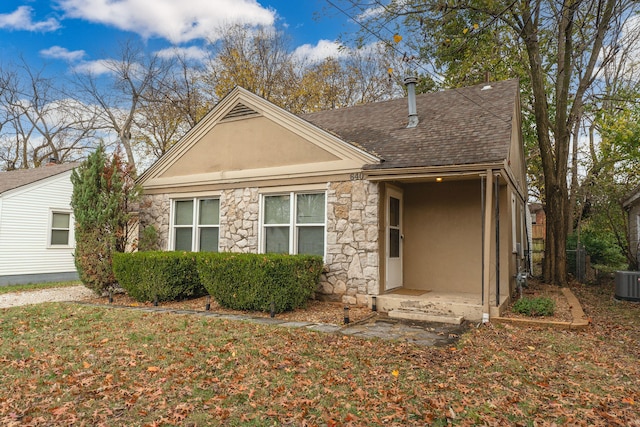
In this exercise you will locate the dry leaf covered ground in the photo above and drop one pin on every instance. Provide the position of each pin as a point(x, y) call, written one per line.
point(314, 312)
point(68, 364)
point(333, 312)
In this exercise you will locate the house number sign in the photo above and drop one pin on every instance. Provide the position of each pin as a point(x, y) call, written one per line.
point(357, 176)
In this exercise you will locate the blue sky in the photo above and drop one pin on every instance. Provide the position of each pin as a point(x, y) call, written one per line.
point(72, 33)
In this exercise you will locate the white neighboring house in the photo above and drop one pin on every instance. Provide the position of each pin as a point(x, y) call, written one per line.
point(36, 225)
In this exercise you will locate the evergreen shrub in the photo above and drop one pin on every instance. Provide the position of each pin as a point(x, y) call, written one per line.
point(103, 190)
point(256, 281)
point(167, 276)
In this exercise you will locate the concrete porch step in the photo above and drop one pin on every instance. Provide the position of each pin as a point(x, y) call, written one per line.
point(423, 316)
point(446, 307)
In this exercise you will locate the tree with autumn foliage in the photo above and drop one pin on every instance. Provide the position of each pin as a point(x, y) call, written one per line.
point(558, 49)
point(103, 191)
point(260, 61)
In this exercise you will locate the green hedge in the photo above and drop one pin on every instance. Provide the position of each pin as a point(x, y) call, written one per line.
point(167, 276)
point(255, 281)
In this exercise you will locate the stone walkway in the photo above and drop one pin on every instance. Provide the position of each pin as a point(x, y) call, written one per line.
point(377, 326)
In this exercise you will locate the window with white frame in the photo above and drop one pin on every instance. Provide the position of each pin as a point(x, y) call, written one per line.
point(60, 233)
point(294, 223)
point(196, 224)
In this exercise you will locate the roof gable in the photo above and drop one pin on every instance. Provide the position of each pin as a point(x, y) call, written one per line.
point(248, 138)
point(11, 180)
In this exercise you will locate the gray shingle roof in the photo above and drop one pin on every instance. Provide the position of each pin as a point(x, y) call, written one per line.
point(17, 178)
point(457, 127)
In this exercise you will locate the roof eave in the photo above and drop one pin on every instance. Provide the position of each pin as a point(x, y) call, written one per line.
point(430, 171)
point(628, 201)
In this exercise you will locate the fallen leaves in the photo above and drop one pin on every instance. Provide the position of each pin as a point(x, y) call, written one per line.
point(60, 366)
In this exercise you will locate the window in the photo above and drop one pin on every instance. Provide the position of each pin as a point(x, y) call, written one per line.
point(196, 225)
point(60, 229)
point(294, 223)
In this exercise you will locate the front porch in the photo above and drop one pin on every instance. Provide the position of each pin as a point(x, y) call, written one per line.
point(437, 306)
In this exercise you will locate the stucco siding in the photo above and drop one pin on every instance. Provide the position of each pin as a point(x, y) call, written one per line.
point(443, 236)
point(516, 160)
point(253, 143)
point(24, 228)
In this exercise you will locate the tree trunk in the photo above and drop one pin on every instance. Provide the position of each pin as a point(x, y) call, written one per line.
point(555, 260)
point(555, 172)
point(574, 213)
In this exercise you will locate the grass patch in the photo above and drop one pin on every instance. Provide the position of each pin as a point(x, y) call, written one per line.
point(65, 364)
point(37, 286)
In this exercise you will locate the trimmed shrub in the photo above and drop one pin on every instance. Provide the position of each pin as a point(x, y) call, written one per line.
point(256, 281)
point(535, 306)
point(167, 276)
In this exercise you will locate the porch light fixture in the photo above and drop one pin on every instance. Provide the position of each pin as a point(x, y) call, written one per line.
point(439, 179)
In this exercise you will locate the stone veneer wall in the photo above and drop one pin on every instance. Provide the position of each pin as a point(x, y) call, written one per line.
point(239, 233)
point(352, 241)
point(352, 254)
point(155, 210)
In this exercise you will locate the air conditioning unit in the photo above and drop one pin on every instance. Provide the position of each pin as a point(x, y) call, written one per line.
point(628, 285)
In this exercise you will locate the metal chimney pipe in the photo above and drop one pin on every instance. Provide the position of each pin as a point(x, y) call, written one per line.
point(410, 83)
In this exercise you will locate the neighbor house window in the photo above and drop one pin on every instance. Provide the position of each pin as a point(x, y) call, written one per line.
point(60, 229)
point(294, 223)
point(196, 225)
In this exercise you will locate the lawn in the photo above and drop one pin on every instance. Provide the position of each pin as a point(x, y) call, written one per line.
point(66, 364)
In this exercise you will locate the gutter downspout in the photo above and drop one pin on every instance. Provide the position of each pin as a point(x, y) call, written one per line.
point(497, 189)
point(482, 214)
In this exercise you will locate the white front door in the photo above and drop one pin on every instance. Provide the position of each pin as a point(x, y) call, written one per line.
point(394, 239)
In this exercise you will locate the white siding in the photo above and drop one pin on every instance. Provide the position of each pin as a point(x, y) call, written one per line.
point(25, 218)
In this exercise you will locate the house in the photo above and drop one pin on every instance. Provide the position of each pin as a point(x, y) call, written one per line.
point(416, 204)
point(632, 205)
point(36, 225)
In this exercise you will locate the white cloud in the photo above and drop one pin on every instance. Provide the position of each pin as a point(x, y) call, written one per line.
point(190, 53)
point(58, 52)
point(318, 53)
point(95, 68)
point(176, 21)
point(22, 19)
point(370, 13)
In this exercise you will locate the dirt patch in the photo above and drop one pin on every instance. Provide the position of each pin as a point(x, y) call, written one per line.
point(314, 312)
point(536, 288)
